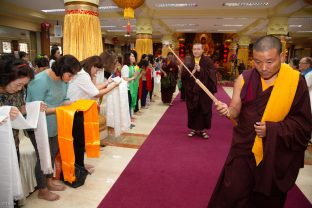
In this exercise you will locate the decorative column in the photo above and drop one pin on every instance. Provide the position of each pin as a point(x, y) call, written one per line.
point(167, 40)
point(82, 32)
point(232, 58)
point(278, 26)
point(144, 42)
point(243, 49)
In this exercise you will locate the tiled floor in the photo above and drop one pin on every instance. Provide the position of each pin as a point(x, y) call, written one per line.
point(115, 157)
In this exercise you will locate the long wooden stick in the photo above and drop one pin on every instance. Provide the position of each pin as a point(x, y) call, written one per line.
point(212, 97)
point(200, 84)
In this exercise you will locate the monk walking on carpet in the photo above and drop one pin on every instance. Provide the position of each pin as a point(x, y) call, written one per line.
point(197, 101)
point(272, 106)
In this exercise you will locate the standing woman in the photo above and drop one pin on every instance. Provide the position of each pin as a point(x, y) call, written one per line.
point(13, 78)
point(169, 78)
point(50, 86)
point(129, 74)
point(83, 86)
point(55, 54)
point(14, 75)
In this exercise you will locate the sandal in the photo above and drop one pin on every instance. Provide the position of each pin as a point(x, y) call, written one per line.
point(204, 134)
point(192, 133)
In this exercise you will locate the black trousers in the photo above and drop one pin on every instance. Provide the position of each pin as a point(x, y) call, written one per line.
point(79, 138)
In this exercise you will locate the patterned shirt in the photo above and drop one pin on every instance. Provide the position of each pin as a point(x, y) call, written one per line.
point(16, 99)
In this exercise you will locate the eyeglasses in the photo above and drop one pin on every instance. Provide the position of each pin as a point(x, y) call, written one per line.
point(303, 63)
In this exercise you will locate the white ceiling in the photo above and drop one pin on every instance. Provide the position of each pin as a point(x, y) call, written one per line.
point(209, 16)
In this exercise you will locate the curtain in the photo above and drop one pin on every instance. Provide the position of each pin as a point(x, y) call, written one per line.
point(143, 46)
point(82, 34)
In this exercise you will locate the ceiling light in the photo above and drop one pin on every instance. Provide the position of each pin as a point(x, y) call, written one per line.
point(232, 25)
point(304, 31)
point(108, 26)
point(184, 25)
point(295, 25)
point(52, 10)
point(162, 5)
point(108, 7)
point(62, 10)
point(245, 4)
point(226, 30)
point(187, 30)
point(115, 30)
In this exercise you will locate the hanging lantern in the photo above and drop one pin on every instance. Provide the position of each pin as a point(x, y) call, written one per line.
point(128, 6)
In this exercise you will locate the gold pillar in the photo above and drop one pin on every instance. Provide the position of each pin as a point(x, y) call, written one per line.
point(230, 63)
point(144, 42)
point(82, 31)
point(243, 49)
point(278, 26)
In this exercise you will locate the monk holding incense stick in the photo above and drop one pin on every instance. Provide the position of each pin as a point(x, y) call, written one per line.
point(198, 103)
point(271, 103)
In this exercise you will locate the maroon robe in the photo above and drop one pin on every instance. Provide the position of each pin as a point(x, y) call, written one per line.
point(242, 183)
point(197, 101)
point(172, 71)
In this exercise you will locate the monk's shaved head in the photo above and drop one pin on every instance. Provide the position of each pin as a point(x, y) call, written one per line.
point(267, 43)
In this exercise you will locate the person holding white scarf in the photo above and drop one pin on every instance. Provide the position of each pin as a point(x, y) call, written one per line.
point(50, 86)
point(14, 75)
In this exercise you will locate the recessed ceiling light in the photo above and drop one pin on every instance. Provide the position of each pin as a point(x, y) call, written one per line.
point(108, 7)
point(232, 25)
point(184, 25)
point(52, 10)
point(187, 30)
point(162, 5)
point(62, 10)
point(108, 26)
point(245, 4)
point(226, 30)
point(304, 31)
point(115, 30)
point(295, 25)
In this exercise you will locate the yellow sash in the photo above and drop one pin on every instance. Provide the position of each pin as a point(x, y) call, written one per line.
point(279, 103)
point(197, 60)
point(65, 118)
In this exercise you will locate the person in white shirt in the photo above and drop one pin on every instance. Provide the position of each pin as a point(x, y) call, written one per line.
point(83, 86)
point(128, 72)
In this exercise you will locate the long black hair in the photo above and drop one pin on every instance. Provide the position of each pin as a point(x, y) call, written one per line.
point(54, 49)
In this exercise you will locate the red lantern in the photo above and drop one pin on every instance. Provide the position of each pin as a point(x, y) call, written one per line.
point(45, 26)
point(128, 27)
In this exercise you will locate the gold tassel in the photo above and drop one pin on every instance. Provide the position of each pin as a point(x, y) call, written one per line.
point(129, 13)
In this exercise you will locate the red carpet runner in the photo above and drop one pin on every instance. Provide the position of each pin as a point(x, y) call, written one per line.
point(171, 170)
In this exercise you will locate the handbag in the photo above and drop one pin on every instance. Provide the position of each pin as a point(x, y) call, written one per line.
point(81, 175)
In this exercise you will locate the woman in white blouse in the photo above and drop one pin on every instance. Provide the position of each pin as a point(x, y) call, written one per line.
point(83, 86)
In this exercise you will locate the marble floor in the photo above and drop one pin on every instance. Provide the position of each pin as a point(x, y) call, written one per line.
point(114, 158)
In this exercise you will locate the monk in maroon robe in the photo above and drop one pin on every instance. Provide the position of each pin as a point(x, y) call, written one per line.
point(246, 181)
point(197, 101)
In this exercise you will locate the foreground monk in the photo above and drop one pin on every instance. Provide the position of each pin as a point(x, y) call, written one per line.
point(272, 106)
